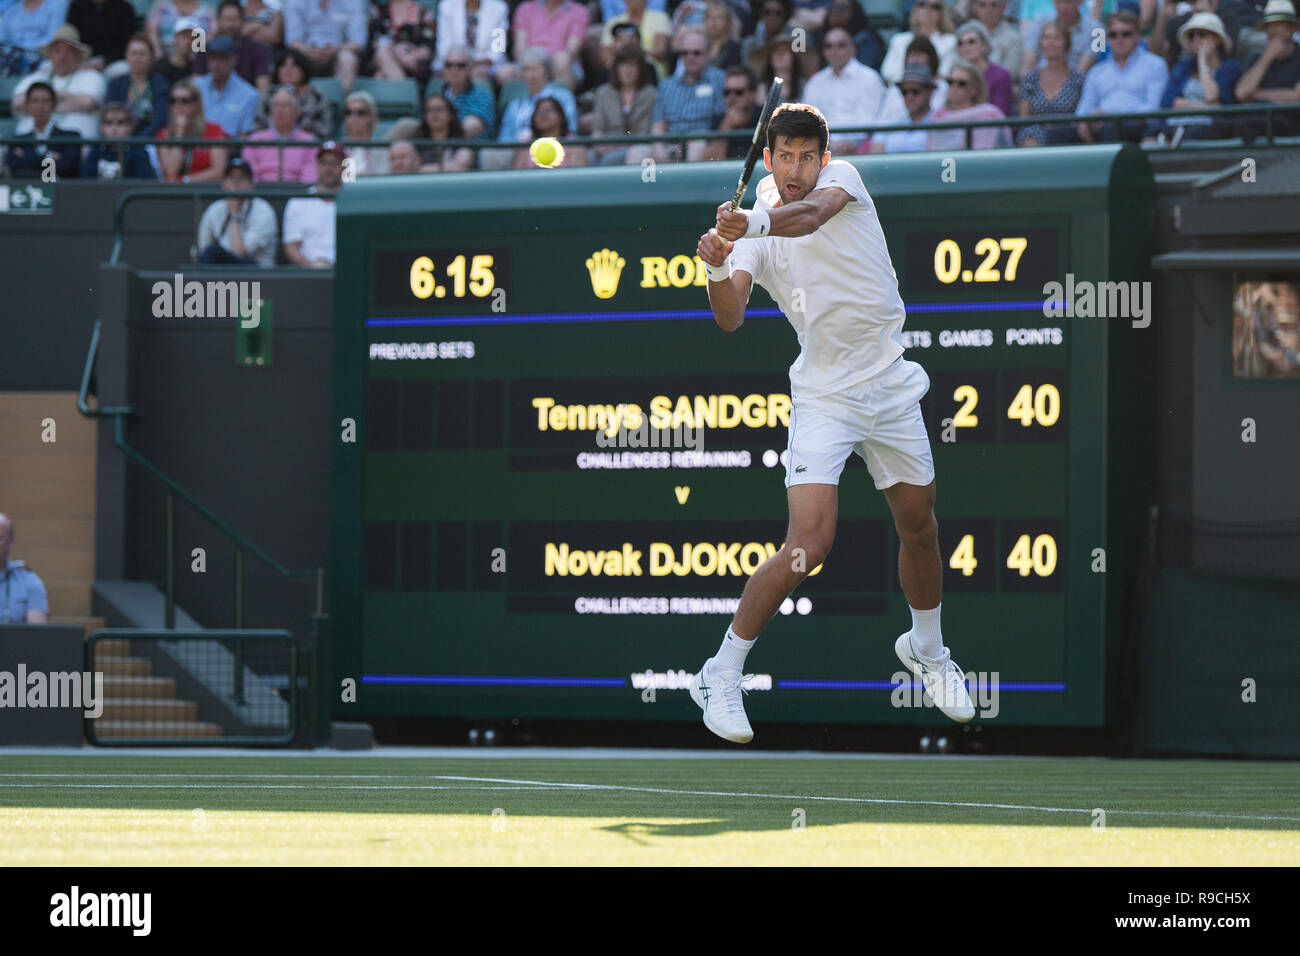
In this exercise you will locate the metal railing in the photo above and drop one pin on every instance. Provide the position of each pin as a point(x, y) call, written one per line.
point(195, 687)
point(194, 195)
point(1268, 111)
point(242, 544)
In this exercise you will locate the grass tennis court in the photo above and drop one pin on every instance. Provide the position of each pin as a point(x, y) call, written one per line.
point(687, 809)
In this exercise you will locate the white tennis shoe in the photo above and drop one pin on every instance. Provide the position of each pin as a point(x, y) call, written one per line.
point(719, 694)
point(944, 682)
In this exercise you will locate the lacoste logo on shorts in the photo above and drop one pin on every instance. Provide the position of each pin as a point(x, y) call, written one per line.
point(801, 469)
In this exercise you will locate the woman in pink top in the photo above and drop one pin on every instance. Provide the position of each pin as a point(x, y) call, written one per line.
point(967, 100)
point(558, 27)
point(974, 44)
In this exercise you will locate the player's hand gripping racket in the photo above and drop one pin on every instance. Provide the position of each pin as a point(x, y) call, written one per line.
point(760, 139)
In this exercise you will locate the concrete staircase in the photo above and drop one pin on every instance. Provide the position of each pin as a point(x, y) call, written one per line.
point(137, 704)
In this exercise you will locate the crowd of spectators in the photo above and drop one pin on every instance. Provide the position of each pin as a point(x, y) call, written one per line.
point(502, 73)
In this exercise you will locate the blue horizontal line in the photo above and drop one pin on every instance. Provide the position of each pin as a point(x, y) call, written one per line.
point(1018, 686)
point(493, 681)
point(667, 315)
point(510, 681)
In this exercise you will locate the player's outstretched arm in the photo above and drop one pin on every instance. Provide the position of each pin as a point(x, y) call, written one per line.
point(801, 218)
point(727, 293)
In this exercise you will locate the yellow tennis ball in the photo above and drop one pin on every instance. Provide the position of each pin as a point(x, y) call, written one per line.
point(547, 152)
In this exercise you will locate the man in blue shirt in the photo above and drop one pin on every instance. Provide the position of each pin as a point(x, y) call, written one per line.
point(1130, 81)
point(228, 99)
point(516, 119)
point(691, 102)
point(22, 595)
point(475, 105)
point(25, 27)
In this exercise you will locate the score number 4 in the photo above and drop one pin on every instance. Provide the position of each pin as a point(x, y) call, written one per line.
point(479, 283)
point(1037, 556)
point(1041, 405)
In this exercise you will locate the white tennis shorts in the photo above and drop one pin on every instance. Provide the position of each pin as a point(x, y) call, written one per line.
point(879, 418)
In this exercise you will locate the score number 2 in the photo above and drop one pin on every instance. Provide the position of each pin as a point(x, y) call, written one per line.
point(479, 283)
point(947, 260)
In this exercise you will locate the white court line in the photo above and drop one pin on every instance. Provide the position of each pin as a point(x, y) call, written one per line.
point(910, 803)
point(247, 786)
point(552, 785)
point(217, 775)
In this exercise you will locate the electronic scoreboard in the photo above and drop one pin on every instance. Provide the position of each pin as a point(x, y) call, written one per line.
point(555, 473)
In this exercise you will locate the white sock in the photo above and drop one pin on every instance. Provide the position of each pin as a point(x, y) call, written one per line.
point(731, 655)
point(926, 637)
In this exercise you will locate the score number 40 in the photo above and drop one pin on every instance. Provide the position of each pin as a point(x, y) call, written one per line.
point(1036, 556)
point(478, 280)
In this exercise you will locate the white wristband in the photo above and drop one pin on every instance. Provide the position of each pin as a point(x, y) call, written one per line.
point(719, 273)
point(760, 224)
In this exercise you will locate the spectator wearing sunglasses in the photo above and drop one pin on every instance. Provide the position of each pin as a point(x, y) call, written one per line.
point(915, 88)
point(967, 100)
point(1131, 80)
point(475, 104)
point(117, 160)
point(740, 97)
point(1008, 48)
point(1206, 76)
point(974, 45)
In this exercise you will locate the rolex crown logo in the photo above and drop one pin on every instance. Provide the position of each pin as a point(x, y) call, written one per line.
point(605, 267)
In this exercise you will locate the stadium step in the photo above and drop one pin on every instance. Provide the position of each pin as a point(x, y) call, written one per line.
point(120, 687)
point(143, 729)
point(123, 666)
point(113, 647)
point(149, 709)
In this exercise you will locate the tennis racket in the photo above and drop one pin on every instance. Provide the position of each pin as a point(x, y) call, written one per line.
point(760, 139)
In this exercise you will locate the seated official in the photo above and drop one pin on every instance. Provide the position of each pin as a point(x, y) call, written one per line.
point(22, 594)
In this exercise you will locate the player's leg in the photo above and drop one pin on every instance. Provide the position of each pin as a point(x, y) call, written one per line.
point(819, 444)
point(898, 456)
point(813, 512)
point(920, 567)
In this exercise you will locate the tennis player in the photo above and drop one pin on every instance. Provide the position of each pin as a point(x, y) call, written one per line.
point(814, 242)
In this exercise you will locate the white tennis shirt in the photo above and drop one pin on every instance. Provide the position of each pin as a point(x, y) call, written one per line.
point(837, 287)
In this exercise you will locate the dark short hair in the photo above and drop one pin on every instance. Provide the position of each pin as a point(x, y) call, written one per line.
point(740, 69)
point(645, 73)
point(298, 57)
point(42, 85)
point(788, 4)
point(798, 121)
point(559, 108)
point(114, 107)
point(230, 3)
point(922, 45)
